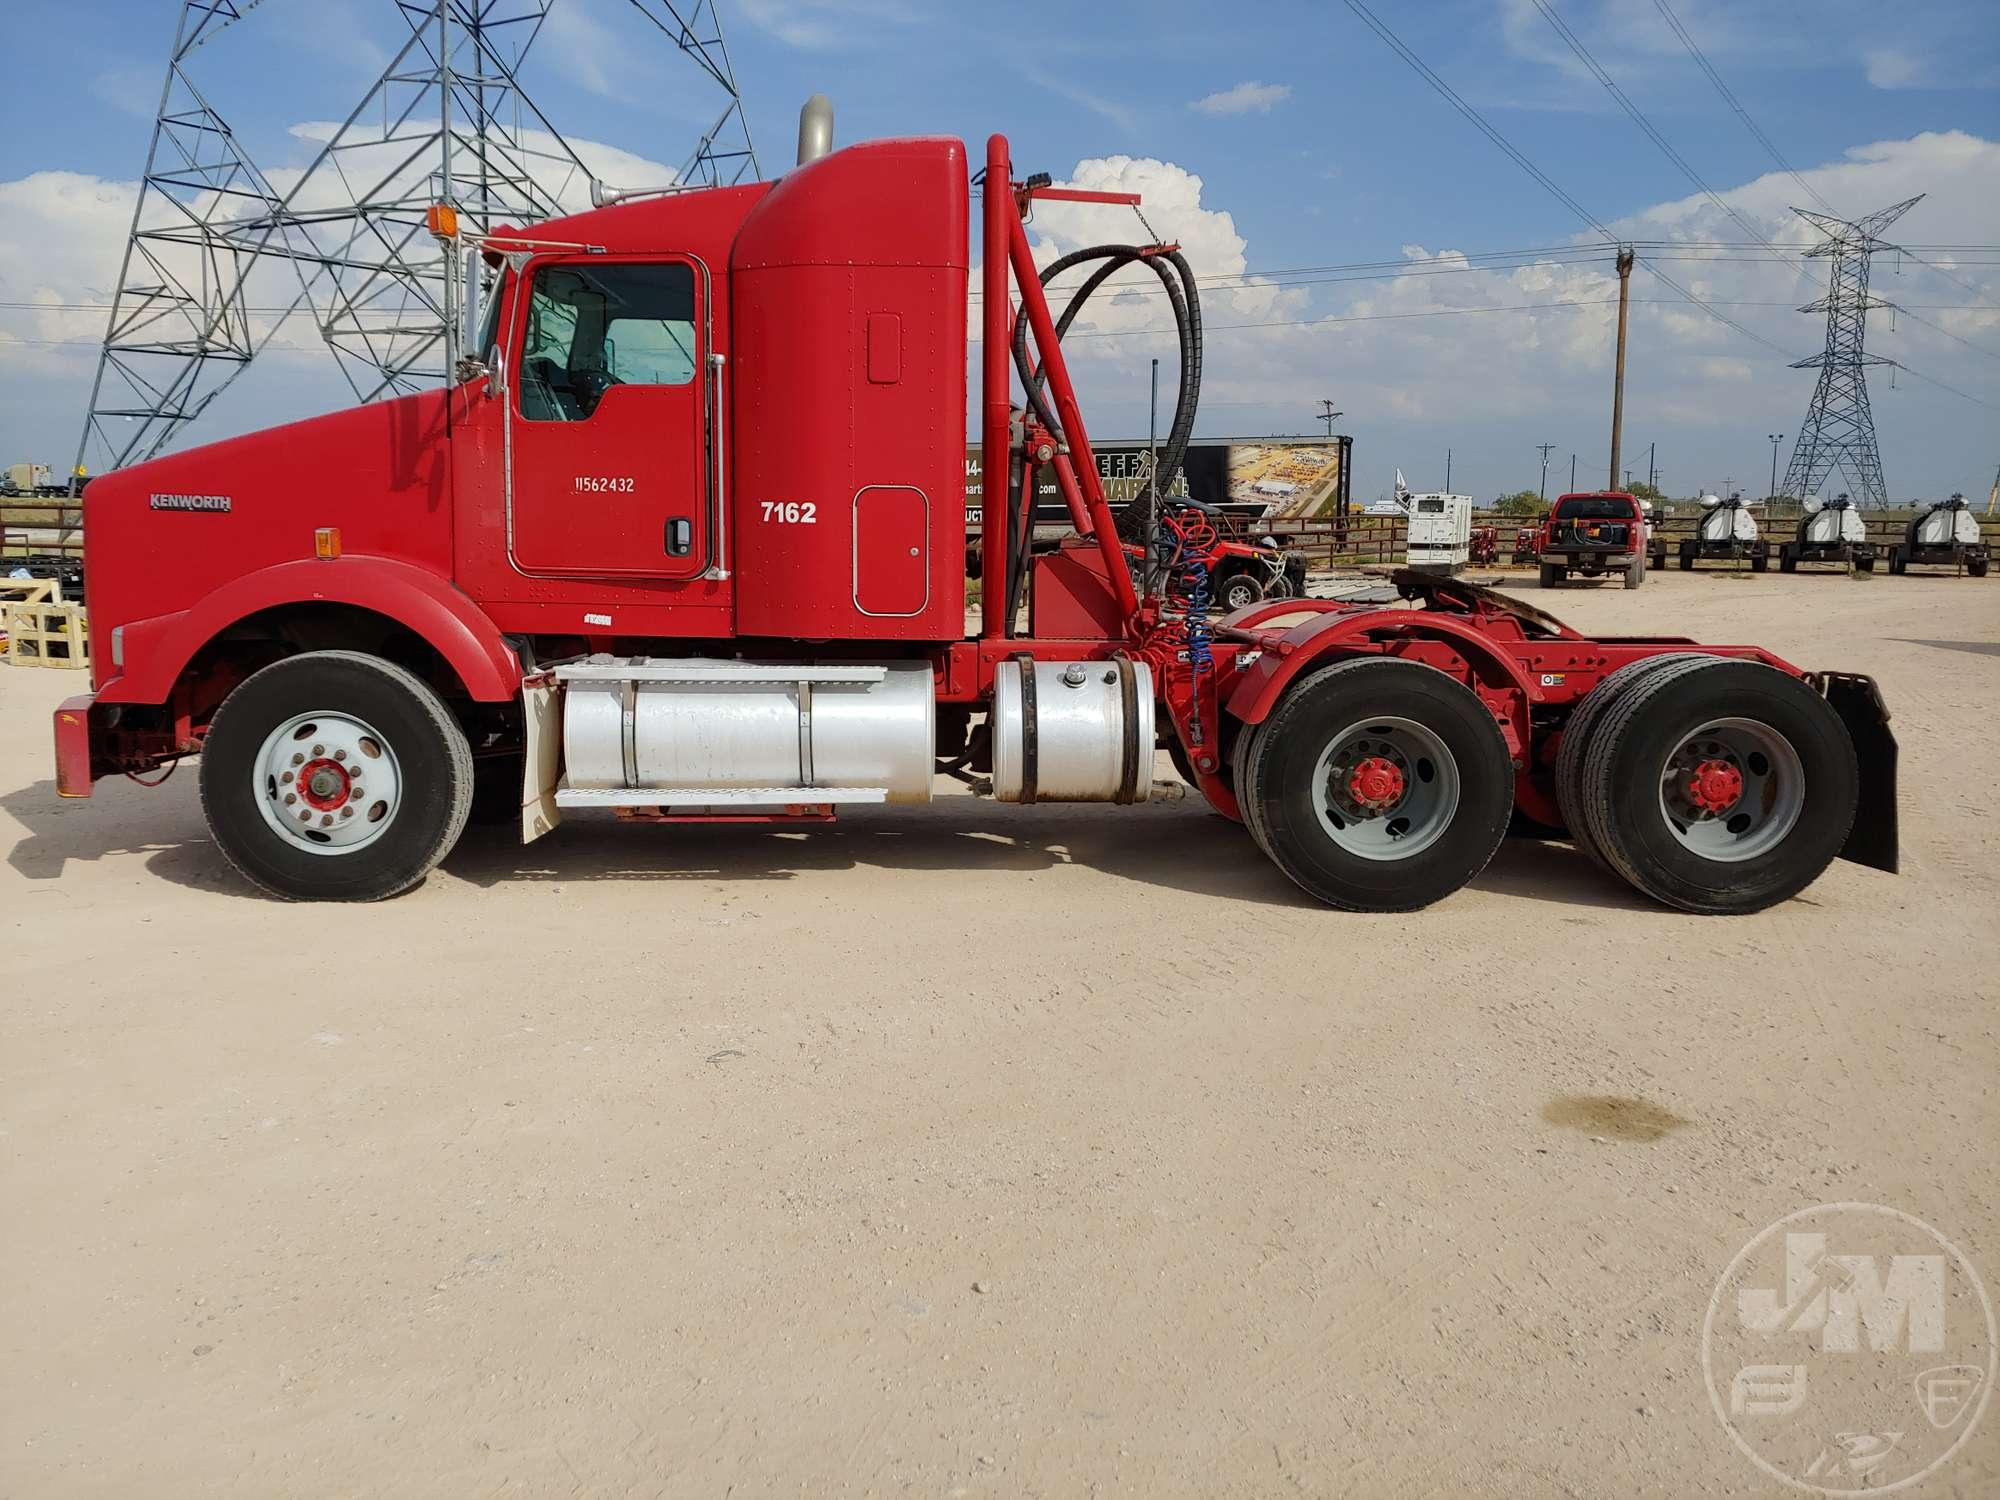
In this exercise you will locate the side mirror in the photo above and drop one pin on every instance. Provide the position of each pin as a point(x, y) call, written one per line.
point(496, 367)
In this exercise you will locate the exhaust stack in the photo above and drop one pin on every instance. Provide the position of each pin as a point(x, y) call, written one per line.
point(815, 129)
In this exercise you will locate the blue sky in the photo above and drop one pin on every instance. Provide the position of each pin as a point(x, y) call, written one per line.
point(1316, 147)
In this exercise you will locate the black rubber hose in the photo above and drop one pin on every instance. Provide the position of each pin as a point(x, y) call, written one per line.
point(1186, 304)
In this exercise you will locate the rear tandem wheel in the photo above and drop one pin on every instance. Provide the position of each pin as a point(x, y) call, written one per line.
point(1713, 784)
point(1377, 785)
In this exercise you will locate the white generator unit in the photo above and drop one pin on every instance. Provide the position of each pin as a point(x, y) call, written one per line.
point(1440, 531)
point(1727, 532)
point(1943, 534)
point(1830, 531)
point(1831, 521)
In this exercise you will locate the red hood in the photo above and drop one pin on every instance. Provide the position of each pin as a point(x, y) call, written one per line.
point(160, 535)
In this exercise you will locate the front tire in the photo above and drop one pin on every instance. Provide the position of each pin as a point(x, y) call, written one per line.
point(335, 776)
point(1552, 574)
point(1239, 590)
point(1635, 571)
point(1379, 785)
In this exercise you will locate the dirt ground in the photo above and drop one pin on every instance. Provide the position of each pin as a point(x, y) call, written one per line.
point(964, 1151)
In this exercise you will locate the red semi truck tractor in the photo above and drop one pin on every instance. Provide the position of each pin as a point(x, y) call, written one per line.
point(685, 541)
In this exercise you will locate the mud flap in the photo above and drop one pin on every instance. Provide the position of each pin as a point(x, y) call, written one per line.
point(541, 761)
point(1859, 703)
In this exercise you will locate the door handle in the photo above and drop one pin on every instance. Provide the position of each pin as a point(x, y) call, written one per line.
point(680, 536)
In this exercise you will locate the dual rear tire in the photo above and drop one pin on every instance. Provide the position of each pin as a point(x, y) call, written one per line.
point(1712, 784)
point(1376, 785)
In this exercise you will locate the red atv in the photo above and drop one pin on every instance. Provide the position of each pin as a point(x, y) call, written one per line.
point(1239, 573)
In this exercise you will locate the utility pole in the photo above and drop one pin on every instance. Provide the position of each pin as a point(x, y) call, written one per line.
point(1572, 473)
point(1447, 471)
point(1776, 438)
point(1728, 486)
point(1327, 414)
point(1652, 473)
point(1625, 255)
point(1544, 449)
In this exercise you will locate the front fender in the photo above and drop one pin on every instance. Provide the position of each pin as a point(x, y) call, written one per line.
point(156, 651)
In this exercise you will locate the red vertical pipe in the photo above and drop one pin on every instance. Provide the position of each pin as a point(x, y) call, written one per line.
point(1000, 221)
point(1035, 308)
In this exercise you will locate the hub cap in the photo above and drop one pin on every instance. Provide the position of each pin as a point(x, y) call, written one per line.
point(1732, 790)
point(327, 783)
point(1386, 789)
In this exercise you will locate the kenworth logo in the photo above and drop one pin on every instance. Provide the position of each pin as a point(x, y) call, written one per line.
point(190, 502)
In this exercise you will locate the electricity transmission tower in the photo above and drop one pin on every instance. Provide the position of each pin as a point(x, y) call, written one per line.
point(343, 245)
point(1839, 429)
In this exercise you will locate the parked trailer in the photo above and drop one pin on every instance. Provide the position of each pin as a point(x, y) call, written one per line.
point(1829, 531)
point(684, 545)
point(1944, 534)
point(1727, 532)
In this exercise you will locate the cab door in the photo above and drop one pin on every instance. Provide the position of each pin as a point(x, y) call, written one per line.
point(608, 418)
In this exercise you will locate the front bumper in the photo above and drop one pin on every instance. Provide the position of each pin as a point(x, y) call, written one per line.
point(73, 773)
point(1590, 559)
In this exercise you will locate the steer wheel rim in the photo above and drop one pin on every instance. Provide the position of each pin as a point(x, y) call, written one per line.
point(1732, 789)
point(327, 783)
point(1386, 789)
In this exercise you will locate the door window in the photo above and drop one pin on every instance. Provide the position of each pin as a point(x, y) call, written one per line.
point(592, 327)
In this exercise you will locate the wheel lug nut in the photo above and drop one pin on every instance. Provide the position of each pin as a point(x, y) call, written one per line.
point(340, 755)
point(290, 798)
point(286, 778)
point(298, 760)
point(305, 815)
point(347, 812)
point(326, 820)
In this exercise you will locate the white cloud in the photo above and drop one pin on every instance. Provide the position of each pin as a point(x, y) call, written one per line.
point(1892, 68)
point(1244, 99)
point(1492, 361)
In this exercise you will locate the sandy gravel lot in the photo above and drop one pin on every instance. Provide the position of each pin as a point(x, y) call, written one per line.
point(976, 1151)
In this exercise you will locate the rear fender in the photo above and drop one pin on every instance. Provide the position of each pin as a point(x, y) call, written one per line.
point(1329, 637)
point(1872, 841)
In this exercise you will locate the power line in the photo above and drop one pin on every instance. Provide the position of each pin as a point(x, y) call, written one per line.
point(1734, 103)
point(1638, 117)
point(1486, 128)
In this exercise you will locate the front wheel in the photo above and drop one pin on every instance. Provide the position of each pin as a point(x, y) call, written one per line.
point(1239, 591)
point(1552, 574)
point(1378, 785)
point(335, 776)
point(1635, 571)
